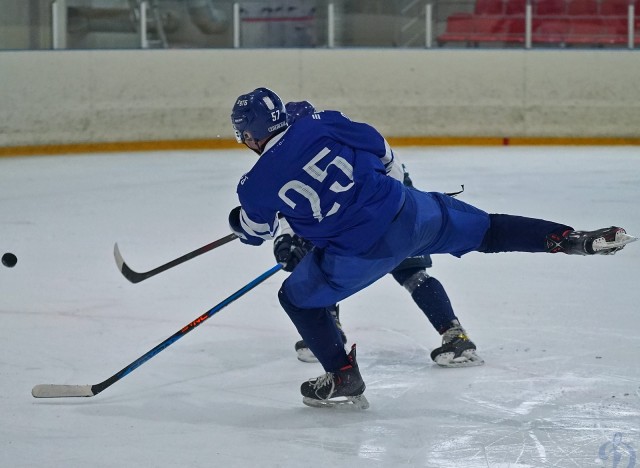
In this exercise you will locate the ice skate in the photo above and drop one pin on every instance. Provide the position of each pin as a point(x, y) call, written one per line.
point(457, 349)
point(345, 384)
point(303, 351)
point(606, 241)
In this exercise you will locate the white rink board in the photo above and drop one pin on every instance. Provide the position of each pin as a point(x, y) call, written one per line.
point(64, 97)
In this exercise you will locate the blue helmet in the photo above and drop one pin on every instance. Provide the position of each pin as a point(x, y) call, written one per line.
point(297, 110)
point(258, 116)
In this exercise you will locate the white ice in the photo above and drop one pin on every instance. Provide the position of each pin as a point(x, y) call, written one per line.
point(559, 334)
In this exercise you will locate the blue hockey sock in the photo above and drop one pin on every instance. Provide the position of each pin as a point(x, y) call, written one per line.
point(429, 295)
point(319, 331)
point(508, 233)
point(433, 300)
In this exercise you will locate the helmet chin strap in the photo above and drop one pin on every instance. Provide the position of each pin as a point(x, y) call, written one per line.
point(259, 148)
point(252, 144)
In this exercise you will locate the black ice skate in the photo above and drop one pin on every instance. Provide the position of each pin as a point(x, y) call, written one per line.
point(303, 351)
point(347, 382)
point(457, 349)
point(606, 241)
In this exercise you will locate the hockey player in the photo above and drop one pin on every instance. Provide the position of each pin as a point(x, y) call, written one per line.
point(457, 350)
point(327, 176)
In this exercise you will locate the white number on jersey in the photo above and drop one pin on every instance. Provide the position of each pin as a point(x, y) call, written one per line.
point(318, 174)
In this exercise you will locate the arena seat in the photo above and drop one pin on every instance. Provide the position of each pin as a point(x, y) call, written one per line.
point(582, 8)
point(584, 30)
point(563, 22)
point(614, 30)
point(489, 7)
point(490, 29)
point(516, 29)
point(549, 8)
point(459, 28)
point(614, 7)
point(515, 7)
point(550, 30)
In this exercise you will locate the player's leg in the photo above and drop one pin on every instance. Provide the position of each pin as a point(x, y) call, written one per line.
point(342, 382)
point(509, 233)
point(320, 280)
point(466, 228)
point(457, 349)
point(301, 347)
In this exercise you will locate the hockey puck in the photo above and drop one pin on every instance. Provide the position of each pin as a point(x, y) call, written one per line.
point(9, 260)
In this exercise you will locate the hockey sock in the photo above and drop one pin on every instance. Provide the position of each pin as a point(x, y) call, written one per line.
point(429, 295)
point(508, 233)
point(318, 329)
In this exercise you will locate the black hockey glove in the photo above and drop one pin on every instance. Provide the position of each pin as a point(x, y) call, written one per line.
point(289, 250)
point(234, 224)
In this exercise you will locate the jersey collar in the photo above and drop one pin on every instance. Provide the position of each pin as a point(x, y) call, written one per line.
point(273, 141)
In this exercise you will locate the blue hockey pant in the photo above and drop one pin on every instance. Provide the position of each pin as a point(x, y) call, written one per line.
point(428, 223)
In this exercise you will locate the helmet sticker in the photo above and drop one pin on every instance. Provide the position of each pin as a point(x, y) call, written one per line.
point(270, 105)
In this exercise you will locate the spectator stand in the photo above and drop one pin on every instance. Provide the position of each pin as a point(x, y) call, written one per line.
point(558, 23)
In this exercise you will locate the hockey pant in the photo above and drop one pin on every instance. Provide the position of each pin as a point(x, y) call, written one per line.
point(428, 223)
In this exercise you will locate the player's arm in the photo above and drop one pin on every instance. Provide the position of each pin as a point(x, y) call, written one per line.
point(251, 231)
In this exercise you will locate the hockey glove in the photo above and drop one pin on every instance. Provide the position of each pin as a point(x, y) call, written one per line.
point(290, 249)
point(236, 228)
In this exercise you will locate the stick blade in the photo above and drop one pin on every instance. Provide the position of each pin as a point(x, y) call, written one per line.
point(118, 256)
point(61, 391)
point(127, 272)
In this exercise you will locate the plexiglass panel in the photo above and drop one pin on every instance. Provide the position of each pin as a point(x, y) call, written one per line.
point(134, 24)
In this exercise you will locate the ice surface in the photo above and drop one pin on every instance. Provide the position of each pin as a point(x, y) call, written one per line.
point(559, 334)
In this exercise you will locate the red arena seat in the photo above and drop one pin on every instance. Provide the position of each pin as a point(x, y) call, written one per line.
point(516, 29)
point(585, 31)
point(582, 8)
point(459, 28)
point(614, 7)
point(614, 30)
point(490, 29)
point(489, 7)
point(550, 30)
point(515, 7)
point(549, 7)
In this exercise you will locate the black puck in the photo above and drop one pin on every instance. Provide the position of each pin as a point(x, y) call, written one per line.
point(9, 260)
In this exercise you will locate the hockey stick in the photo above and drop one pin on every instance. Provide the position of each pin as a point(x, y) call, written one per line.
point(59, 391)
point(136, 277)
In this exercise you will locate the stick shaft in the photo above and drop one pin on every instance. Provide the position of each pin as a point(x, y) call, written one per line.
point(136, 277)
point(56, 391)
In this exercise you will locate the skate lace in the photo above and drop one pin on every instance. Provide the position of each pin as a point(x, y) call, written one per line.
point(326, 379)
point(453, 333)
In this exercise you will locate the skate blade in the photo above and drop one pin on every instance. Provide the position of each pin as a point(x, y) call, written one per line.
point(469, 358)
point(356, 402)
point(305, 355)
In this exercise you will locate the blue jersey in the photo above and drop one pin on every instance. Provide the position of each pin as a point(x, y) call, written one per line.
point(327, 176)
